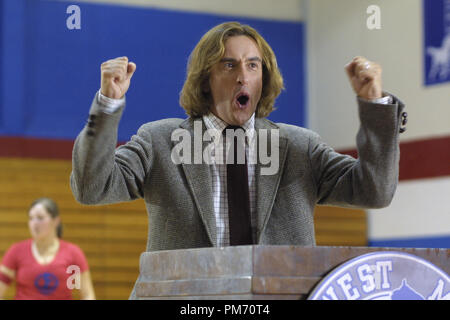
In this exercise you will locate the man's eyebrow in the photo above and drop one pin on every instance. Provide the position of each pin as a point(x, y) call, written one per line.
point(226, 59)
point(254, 59)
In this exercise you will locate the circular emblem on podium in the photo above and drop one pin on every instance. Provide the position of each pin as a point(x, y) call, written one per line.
point(385, 275)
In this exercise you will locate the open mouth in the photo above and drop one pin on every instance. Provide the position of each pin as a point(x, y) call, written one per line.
point(242, 100)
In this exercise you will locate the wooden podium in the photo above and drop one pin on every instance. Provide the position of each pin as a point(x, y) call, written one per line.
point(251, 272)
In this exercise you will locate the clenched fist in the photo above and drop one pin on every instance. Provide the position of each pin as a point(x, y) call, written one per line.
point(116, 76)
point(365, 78)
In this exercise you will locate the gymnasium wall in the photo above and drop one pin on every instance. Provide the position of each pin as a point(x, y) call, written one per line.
point(49, 75)
point(419, 215)
point(58, 68)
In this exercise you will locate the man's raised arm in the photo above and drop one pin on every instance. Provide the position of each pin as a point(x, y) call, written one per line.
point(100, 173)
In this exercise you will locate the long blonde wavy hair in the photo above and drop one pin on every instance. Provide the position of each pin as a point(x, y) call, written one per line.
point(196, 99)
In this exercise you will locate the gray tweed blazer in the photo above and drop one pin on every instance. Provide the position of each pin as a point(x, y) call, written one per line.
point(179, 197)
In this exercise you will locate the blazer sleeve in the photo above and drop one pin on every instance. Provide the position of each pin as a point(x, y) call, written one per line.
point(101, 173)
point(371, 180)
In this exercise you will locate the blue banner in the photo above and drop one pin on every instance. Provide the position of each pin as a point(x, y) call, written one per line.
point(51, 54)
point(436, 41)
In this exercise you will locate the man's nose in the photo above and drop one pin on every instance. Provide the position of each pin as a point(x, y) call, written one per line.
point(242, 76)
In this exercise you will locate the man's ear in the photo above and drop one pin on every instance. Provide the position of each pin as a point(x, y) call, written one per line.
point(205, 86)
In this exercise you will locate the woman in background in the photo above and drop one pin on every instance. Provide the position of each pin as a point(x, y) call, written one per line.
point(45, 267)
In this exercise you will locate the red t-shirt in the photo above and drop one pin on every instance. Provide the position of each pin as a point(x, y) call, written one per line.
point(40, 282)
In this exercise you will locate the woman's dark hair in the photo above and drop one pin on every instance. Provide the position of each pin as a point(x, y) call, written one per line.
point(52, 208)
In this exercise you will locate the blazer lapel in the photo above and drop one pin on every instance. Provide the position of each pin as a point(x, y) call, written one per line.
point(199, 178)
point(200, 181)
point(267, 184)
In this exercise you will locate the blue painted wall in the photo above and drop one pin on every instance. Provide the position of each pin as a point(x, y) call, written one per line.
point(49, 74)
point(419, 242)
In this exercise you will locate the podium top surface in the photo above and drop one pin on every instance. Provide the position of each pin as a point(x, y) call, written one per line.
point(252, 271)
point(273, 260)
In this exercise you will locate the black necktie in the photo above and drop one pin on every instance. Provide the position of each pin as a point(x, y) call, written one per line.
point(238, 194)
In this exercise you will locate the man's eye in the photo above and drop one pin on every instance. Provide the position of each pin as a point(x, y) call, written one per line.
point(254, 65)
point(229, 65)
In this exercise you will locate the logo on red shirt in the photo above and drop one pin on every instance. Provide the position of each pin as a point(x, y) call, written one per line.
point(46, 283)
